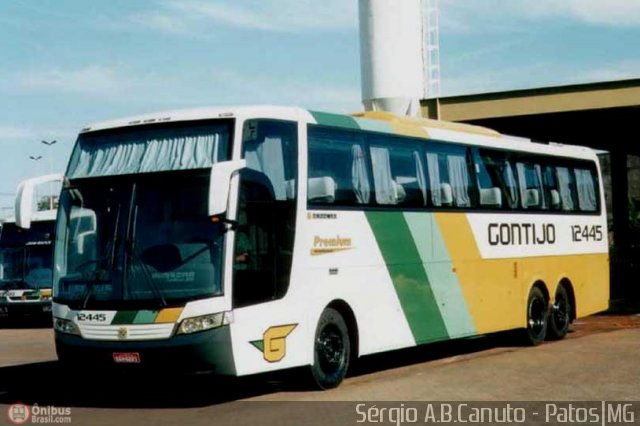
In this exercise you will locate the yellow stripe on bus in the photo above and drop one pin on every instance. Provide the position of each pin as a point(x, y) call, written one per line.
point(168, 315)
point(496, 290)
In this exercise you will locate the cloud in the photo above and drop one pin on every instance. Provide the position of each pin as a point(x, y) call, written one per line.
point(614, 71)
point(232, 87)
point(599, 12)
point(286, 16)
point(154, 20)
point(13, 134)
point(33, 135)
point(134, 91)
point(107, 82)
point(89, 80)
point(518, 77)
point(465, 16)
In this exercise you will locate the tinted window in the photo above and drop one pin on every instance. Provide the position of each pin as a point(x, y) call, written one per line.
point(338, 168)
point(496, 180)
point(532, 194)
point(398, 172)
point(270, 148)
point(567, 188)
point(448, 176)
point(587, 189)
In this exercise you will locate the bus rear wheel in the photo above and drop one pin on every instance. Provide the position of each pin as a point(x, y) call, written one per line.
point(537, 317)
point(560, 315)
point(332, 350)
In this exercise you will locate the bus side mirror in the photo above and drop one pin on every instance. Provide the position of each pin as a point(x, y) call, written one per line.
point(221, 174)
point(24, 199)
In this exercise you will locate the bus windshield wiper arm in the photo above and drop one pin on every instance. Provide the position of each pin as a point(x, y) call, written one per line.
point(148, 279)
point(109, 252)
point(133, 253)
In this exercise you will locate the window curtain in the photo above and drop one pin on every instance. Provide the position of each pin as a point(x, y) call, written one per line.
point(109, 155)
point(266, 157)
point(382, 179)
point(586, 190)
point(422, 183)
point(538, 170)
point(522, 179)
point(564, 181)
point(359, 175)
point(510, 180)
point(459, 178)
point(434, 178)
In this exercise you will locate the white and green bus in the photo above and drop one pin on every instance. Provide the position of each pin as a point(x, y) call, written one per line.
point(25, 268)
point(254, 239)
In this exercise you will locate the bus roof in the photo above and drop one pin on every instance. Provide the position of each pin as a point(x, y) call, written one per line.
point(426, 123)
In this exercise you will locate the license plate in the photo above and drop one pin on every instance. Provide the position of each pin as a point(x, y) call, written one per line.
point(126, 357)
point(46, 309)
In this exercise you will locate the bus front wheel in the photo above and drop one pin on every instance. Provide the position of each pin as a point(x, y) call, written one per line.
point(331, 350)
point(560, 315)
point(537, 317)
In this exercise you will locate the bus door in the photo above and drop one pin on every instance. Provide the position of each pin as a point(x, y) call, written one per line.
point(264, 239)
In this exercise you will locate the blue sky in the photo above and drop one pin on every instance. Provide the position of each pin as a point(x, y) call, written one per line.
point(66, 63)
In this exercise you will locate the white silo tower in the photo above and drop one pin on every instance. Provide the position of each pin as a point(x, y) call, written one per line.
point(399, 54)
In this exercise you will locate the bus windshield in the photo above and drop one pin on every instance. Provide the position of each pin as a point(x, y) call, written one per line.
point(148, 243)
point(25, 256)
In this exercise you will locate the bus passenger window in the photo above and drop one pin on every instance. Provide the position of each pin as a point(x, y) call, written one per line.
point(531, 189)
point(496, 180)
point(448, 173)
point(269, 147)
point(567, 186)
point(398, 173)
point(585, 183)
point(338, 168)
point(551, 188)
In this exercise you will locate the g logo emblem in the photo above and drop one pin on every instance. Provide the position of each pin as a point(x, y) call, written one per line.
point(274, 344)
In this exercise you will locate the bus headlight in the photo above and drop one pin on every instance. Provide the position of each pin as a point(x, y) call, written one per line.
point(65, 326)
point(204, 322)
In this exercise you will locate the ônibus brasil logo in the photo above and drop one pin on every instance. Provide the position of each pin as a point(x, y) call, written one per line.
point(18, 413)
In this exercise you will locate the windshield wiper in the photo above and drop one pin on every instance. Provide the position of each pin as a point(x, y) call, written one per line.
point(135, 255)
point(148, 279)
point(109, 251)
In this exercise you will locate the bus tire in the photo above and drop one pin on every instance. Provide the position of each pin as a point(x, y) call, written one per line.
point(560, 315)
point(537, 317)
point(331, 351)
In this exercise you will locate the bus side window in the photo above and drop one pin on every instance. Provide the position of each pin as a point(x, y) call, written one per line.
point(338, 168)
point(531, 189)
point(496, 180)
point(448, 172)
point(398, 172)
point(587, 190)
point(270, 147)
point(567, 187)
point(551, 188)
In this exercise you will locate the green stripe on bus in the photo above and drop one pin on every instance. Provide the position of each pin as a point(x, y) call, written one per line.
point(124, 317)
point(408, 275)
point(374, 125)
point(334, 120)
point(438, 267)
point(145, 317)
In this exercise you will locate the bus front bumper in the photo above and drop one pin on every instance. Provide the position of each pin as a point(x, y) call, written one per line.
point(206, 351)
